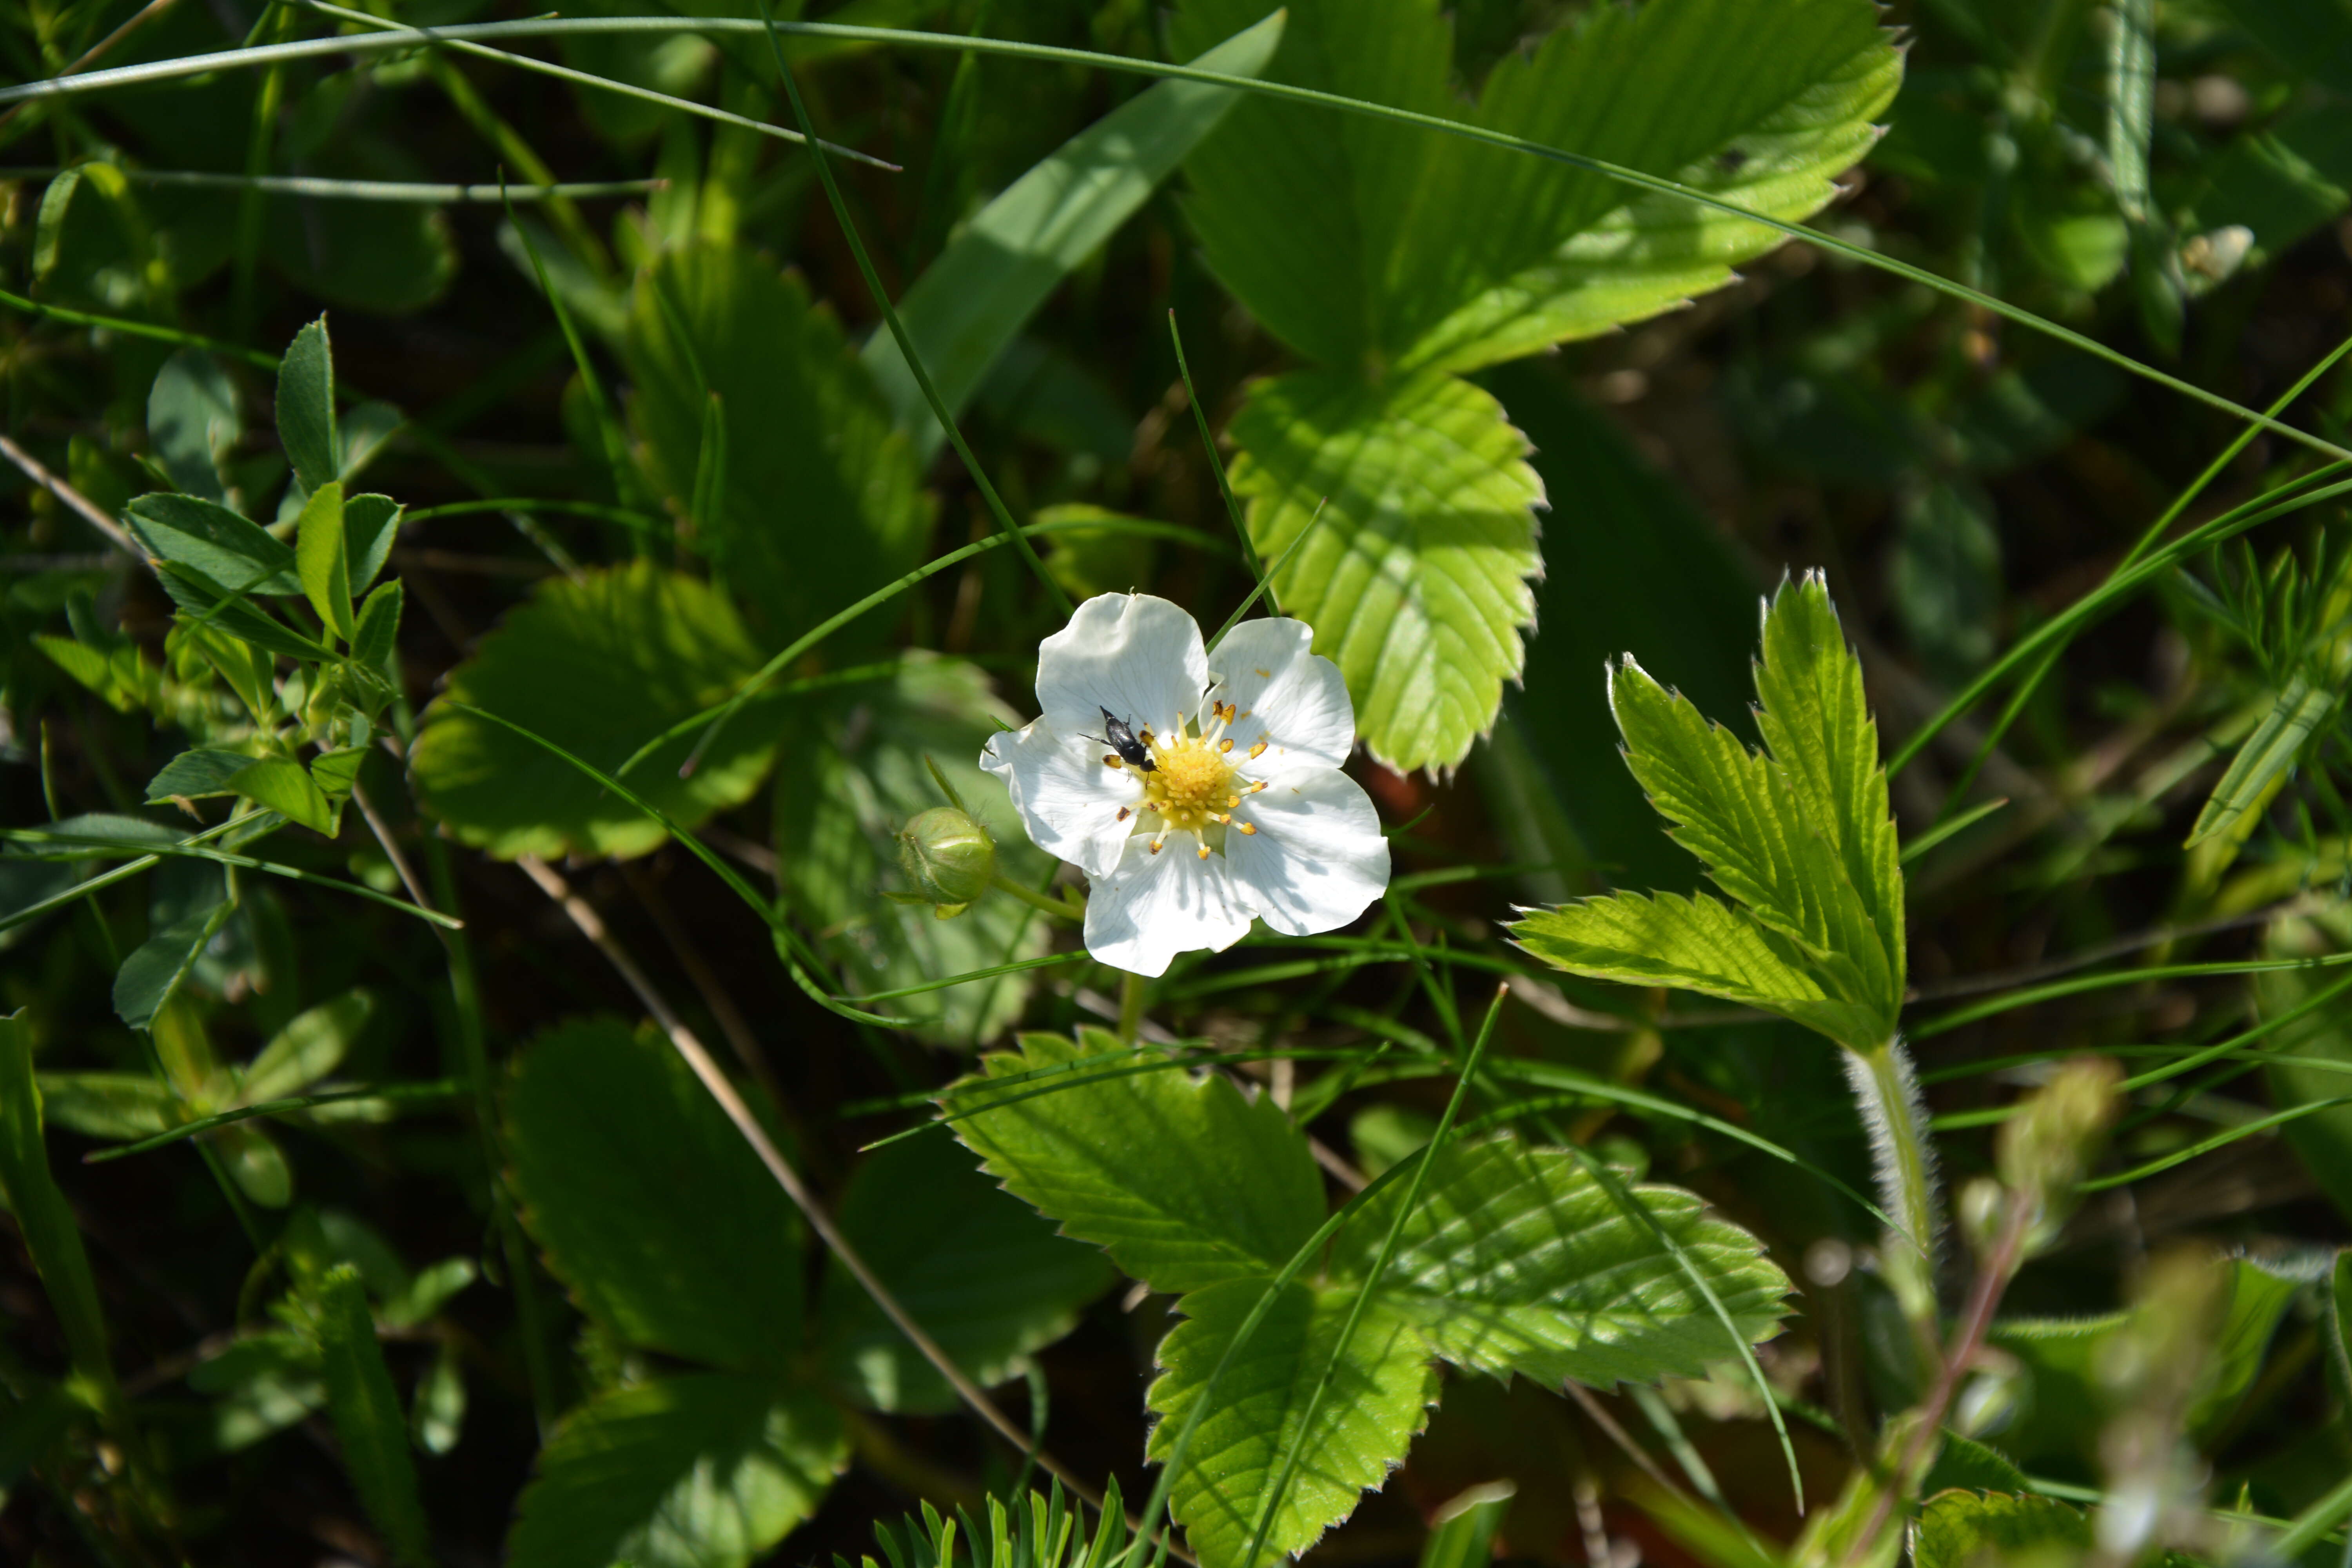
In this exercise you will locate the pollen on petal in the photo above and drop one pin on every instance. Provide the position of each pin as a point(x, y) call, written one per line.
point(1124, 813)
point(1225, 745)
point(1258, 750)
point(1110, 761)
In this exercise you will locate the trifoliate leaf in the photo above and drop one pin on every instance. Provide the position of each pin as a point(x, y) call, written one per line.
point(321, 559)
point(598, 664)
point(1519, 1259)
point(694, 1471)
point(1379, 1388)
point(1184, 1181)
point(651, 1206)
point(230, 552)
point(1416, 580)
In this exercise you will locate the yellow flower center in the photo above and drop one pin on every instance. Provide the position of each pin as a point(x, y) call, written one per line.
point(1193, 782)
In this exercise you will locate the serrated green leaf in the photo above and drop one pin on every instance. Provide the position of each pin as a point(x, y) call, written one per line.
point(1816, 722)
point(1982, 1529)
point(596, 664)
point(192, 420)
point(1965, 1462)
point(853, 770)
point(975, 298)
point(1344, 235)
point(983, 1273)
point(308, 1048)
point(1416, 580)
point(43, 1217)
point(1183, 1181)
point(2263, 761)
point(821, 502)
point(320, 557)
point(1518, 1259)
point(651, 1206)
point(306, 407)
point(286, 787)
point(1699, 944)
point(232, 553)
point(704, 1471)
point(1378, 1392)
point(369, 1427)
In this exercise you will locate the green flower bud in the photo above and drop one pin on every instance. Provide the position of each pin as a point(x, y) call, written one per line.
point(948, 858)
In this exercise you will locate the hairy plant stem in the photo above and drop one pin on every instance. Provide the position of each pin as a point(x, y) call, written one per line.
point(1887, 1092)
point(1130, 1007)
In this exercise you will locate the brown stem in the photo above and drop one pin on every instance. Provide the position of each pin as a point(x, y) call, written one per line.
point(82, 504)
point(1976, 1320)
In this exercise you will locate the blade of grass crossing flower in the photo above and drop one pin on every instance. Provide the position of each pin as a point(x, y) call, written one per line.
point(1372, 1279)
point(898, 329)
point(789, 944)
point(909, 38)
point(1217, 467)
point(1266, 579)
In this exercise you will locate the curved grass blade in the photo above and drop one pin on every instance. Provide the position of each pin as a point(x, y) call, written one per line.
point(2218, 1140)
point(1217, 463)
point(2033, 995)
point(911, 38)
point(86, 848)
point(789, 944)
point(417, 191)
point(442, 1088)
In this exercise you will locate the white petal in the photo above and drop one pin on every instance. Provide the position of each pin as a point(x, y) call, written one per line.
point(1294, 700)
point(1067, 799)
point(1138, 656)
point(1156, 906)
point(1317, 856)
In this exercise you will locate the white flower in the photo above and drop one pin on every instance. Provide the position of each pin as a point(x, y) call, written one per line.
point(1244, 810)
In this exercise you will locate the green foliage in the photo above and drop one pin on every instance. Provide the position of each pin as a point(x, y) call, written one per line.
point(856, 765)
point(685, 1471)
point(2322, 1140)
point(367, 1417)
point(1381, 1385)
point(818, 503)
point(306, 408)
point(1801, 838)
point(1959, 1529)
point(1516, 1260)
point(649, 1203)
point(1342, 235)
point(192, 418)
point(596, 664)
point(971, 302)
point(44, 1221)
point(987, 1279)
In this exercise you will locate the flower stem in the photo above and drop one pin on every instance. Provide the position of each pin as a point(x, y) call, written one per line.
point(1888, 1094)
point(1035, 900)
point(1130, 1007)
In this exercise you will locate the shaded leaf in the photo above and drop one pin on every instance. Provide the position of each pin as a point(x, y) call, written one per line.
point(853, 770)
point(1416, 580)
point(192, 420)
point(376, 632)
point(596, 664)
point(200, 601)
point(2322, 1140)
point(821, 502)
point(982, 1272)
point(1380, 1391)
point(42, 1216)
point(704, 1471)
point(306, 407)
point(230, 552)
point(2274, 747)
point(197, 775)
point(1183, 1181)
point(155, 968)
point(971, 301)
point(651, 1206)
point(309, 1047)
point(1518, 1259)
point(122, 1105)
point(369, 1426)
point(371, 524)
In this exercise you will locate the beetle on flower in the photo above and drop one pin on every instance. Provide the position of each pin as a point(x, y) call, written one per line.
point(1243, 812)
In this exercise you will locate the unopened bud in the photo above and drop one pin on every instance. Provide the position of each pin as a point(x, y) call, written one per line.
point(2057, 1132)
point(948, 858)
